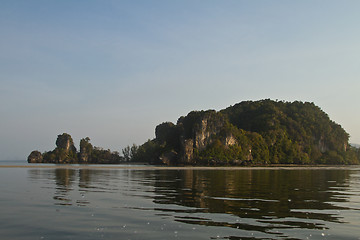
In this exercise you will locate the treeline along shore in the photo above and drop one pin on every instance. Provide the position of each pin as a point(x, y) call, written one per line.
point(264, 132)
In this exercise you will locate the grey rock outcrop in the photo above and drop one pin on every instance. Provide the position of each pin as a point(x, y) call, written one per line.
point(65, 142)
point(86, 150)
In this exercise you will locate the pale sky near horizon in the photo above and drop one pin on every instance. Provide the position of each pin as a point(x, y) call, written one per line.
point(113, 70)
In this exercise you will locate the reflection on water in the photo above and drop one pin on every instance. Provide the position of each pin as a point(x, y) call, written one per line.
point(258, 200)
point(64, 180)
point(68, 180)
point(240, 204)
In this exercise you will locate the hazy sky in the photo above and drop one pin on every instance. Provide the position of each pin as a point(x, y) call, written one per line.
point(113, 70)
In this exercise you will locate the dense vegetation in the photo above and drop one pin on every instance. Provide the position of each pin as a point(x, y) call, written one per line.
point(250, 132)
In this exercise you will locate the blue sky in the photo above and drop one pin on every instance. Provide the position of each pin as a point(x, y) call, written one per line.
point(113, 70)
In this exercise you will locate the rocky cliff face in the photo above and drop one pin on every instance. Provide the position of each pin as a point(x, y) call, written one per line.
point(187, 153)
point(65, 151)
point(206, 126)
point(86, 150)
point(323, 147)
point(65, 142)
point(198, 130)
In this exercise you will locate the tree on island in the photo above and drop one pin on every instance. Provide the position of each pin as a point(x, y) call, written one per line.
point(129, 152)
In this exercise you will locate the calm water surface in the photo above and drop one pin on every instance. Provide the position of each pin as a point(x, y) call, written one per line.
point(65, 203)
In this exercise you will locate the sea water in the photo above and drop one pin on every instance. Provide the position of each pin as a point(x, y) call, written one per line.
point(124, 203)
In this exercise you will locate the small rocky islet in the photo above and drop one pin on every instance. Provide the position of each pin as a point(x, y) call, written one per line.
point(261, 132)
point(65, 152)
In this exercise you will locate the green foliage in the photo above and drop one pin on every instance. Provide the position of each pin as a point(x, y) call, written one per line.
point(297, 132)
point(148, 152)
point(60, 155)
point(218, 154)
point(265, 132)
point(65, 152)
point(102, 156)
point(129, 152)
point(85, 145)
point(126, 153)
point(49, 157)
point(168, 135)
point(259, 149)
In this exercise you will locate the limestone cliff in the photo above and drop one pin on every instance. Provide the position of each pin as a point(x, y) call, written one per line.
point(65, 142)
point(86, 150)
point(65, 151)
point(200, 130)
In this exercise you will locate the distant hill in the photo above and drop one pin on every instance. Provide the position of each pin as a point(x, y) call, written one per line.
point(251, 132)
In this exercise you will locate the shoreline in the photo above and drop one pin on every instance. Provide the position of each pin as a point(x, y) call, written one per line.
point(150, 167)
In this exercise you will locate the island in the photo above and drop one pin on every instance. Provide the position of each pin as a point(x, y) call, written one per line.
point(65, 152)
point(260, 132)
point(264, 132)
